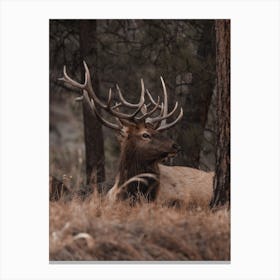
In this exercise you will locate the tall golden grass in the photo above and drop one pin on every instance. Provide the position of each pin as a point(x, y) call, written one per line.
point(96, 229)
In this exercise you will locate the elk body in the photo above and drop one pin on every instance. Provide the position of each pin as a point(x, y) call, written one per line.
point(144, 147)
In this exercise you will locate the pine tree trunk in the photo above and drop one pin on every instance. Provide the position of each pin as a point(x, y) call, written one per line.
point(221, 191)
point(94, 144)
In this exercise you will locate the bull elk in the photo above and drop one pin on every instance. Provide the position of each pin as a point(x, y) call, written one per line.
point(144, 147)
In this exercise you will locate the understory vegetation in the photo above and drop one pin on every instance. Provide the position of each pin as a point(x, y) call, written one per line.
point(96, 230)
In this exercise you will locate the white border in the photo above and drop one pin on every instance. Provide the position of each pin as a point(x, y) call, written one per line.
point(255, 138)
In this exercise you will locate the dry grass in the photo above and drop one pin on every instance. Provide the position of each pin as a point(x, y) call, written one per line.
point(98, 230)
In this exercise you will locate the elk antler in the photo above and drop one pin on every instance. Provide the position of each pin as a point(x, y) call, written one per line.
point(161, 119)
point(123, 118)
point(140, 178)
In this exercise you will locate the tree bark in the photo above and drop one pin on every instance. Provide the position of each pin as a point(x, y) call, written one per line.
point(94, 144)
point(221, 188)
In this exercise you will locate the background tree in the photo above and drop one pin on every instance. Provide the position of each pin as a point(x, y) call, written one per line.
point(198, 97)
point(182, 51)
point(94, 143)
point(221, 194)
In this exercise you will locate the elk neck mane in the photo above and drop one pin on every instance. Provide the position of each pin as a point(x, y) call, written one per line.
point(132, 163)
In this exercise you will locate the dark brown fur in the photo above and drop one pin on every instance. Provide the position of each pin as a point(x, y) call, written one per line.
point(142, 155)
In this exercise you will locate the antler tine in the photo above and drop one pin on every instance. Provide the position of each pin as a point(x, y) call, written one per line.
point(151, 98)
point(160, 114)
point(89, 95)
point(165, 101)
point(147, 114)
point(144, 109)
point(169, 125)
point(72, 82)
point(128, 116)
point(117, 105)
point(86, 86)
point(109, 98)
point(123, 101)
point(128, 104)
point(93, 101)
point(115, 113)
point(123, 115)
point(161, 118)
point(89, 88)
point(138, 178)
point(163, 107)
point(98, 115)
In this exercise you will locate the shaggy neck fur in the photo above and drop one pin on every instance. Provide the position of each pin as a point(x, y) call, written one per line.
point(132, 164)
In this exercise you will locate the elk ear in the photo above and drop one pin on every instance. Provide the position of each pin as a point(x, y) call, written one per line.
point(123, 134)
point(120, 137)
point(126, 126)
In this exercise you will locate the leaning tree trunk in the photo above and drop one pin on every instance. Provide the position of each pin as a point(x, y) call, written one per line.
point(94, 144)
point(221, 191)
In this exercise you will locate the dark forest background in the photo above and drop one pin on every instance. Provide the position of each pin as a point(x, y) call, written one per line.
point(121, 52)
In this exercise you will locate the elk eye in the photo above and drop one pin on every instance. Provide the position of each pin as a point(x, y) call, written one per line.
point(146, 135)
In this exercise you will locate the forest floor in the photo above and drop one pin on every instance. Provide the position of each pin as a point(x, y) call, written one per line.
point(96, 229)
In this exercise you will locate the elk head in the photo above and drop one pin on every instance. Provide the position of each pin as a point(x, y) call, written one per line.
point(139, 131)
